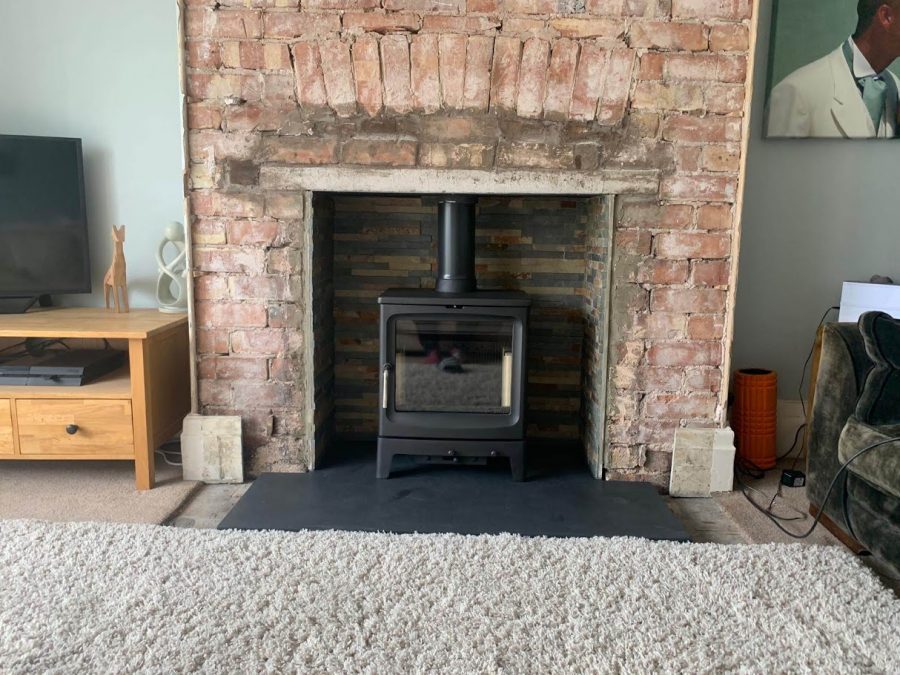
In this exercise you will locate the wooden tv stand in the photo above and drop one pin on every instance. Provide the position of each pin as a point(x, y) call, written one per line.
point(125, 415)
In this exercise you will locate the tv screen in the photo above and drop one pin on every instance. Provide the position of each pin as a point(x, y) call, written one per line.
point(43, 225)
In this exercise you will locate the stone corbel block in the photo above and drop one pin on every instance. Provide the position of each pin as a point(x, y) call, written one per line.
point(211, 449)
point(702, 462)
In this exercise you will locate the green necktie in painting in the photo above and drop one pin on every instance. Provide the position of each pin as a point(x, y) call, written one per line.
point(873, 89)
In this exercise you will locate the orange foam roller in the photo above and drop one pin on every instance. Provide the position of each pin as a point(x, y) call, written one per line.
point(754, 416)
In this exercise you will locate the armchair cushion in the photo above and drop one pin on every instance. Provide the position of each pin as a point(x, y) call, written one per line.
point(879, 403)
point(879, 467)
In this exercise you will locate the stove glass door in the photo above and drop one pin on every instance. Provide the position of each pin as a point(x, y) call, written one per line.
point(455, 365)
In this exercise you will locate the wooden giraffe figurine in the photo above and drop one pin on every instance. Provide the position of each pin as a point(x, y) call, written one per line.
point(115, 276)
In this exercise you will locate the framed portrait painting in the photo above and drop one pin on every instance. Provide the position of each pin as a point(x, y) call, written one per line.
point(834, 69)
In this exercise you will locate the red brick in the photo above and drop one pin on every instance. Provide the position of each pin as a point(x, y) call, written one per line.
point(340, 4)
point(662, 272)
point(589, 28)
point(294, 24)
point(203, 54)
point(711, 9)
point(208, 232)
point(379, 152)
point(695, 129)
point(232, 259)
point(588, 82)
point(732, 69)
point(226, 23)
point(395, 69)
point(266, 395)
point(711, 272)
point(694, 300)
point(714, 217)
point(477, 84)
point(533, 78)
point(300, 150)
point(483, 6)
point(210, 287)
point(535, 156)
point(250, 117)
point(652, 66)
point(438, 23)
point(424, 72)
point(690, 67)
point(724, 98)
point(236, 205)
point(668, 35)
point(456, 155)
point(683, 245)
point(720, 158)
point(376, 22)
point(525, 27)
point(616, 86)
point(263, 341)
point(367, 74)
point(725, 37)
point(308, 73)
point(252, 233)
point(259, 287)
point(655, 216)
point(337, 70)
point(685, 354)
point(453, 69)
point(687, 158)
point(425, 6)
point(530, 6)
point(285, 205)
point(710, 188)
point(680, 406)
point(703, 379)
point(505, 73)
point(705, 327)
point(230, 314)
point(681, 96)
point(212, 341)
point(214, 392)
point(633, 242)
point(201, 116)
point(560, 79)
point(236, 368)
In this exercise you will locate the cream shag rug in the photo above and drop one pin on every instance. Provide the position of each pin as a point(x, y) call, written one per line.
point(132, 598)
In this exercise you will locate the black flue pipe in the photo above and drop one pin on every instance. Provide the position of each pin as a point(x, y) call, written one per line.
point(456, 244)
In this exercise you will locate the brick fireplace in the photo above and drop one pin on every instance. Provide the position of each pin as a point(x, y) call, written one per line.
point(633, 108)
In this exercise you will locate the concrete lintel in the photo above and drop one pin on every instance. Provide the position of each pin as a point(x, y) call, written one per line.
point(442, 181)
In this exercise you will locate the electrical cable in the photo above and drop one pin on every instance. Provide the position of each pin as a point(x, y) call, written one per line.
point(162, 453)
point(831, 485)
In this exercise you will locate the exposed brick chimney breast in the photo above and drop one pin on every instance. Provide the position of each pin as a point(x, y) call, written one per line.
point(642, 87)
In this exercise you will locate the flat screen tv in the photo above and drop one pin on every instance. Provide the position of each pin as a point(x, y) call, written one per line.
point(43, 224)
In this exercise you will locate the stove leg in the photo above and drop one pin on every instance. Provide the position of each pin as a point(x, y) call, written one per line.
point(517, 465)
point(383, 463)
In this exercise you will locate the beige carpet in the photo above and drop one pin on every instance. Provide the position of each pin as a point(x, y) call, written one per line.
point(83, 491)
point(760, 529)
point(89, 597)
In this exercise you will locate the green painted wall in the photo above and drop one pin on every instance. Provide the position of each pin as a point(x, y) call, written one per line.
point(805, 30)
point(105, 71)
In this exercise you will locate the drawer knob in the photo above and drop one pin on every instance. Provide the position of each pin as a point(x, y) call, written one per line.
point(71, 429)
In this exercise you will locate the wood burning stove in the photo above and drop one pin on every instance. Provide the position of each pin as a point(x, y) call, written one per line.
point(453, 360)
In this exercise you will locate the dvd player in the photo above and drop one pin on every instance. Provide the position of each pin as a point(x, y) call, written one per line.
point(61, 367)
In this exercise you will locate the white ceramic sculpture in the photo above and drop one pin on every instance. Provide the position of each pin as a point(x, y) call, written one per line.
point(171, 287)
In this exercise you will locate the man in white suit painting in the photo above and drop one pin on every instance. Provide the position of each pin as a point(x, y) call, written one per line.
point(849, 93)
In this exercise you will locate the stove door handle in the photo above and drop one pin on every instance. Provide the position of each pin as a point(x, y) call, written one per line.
point(385, 383)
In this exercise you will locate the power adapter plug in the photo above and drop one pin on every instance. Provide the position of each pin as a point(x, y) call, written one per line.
point(793, 478)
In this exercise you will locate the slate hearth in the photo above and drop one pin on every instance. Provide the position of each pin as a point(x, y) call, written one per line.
point(559, 499)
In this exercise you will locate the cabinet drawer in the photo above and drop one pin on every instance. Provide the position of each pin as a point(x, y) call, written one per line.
point(81, 427)
point(6, 427)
